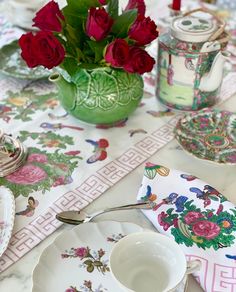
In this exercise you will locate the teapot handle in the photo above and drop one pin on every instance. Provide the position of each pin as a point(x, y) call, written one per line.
point(222, 23)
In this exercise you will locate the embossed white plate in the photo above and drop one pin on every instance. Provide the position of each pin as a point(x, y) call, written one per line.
point(77, 261)
point(7, 215)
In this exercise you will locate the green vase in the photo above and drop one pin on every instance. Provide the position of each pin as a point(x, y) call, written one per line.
point(99, 96)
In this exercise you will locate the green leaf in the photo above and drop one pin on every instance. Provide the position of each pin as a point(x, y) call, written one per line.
point(123, 22)
point(97, 48)
point(70, 65)
point(97, 263)
point(90, 268)
point(88, 262)
point(113, 8)
point(213, 198)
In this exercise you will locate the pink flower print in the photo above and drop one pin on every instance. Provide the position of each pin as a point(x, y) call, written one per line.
point(27, 175)
point(71, 290)
point(164, 224)
point(206, 229)
point(182, 46)
point(36, 157)
point(81, 252)
point(192, 217)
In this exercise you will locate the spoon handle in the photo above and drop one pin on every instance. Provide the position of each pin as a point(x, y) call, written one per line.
point(145, 205)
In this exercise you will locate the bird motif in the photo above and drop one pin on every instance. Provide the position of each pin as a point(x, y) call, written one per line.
point(232, 257)
point(188, 177)
point(59, 126)
point(207, 194)
point(99, 151)
point(132, 132)
point(149, 195)
point(173, 199)
point(30, 208)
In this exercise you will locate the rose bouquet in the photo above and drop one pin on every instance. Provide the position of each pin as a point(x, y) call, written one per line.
point(90, 34)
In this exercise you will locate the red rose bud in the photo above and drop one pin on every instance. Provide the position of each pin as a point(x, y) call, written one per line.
point(102, 2)
point(117, 53)
point(143, 30)
point(138, 4)
point(43, 47)
point(26, 42)
point(49, 17)
point(98, 23)
point(139, 61)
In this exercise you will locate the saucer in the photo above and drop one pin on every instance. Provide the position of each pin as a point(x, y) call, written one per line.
point(7, 215)
point(209, 134)
point(79, 259)
point(12, 64)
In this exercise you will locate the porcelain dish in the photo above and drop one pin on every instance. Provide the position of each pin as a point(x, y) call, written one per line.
point(78, 260)
point(209, 134)
point(7, 215)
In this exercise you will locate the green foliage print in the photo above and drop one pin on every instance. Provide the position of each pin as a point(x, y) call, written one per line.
point(206, 229)
point(47, 139)
point(22, 105)
point(41, 172)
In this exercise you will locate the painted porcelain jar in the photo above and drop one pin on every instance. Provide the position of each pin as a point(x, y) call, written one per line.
point(190, 62)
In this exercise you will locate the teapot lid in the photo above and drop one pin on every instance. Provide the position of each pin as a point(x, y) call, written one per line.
point(192, 29)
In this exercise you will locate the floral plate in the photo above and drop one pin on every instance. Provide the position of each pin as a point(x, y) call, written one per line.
point(209, 134)
point(12, 64)
point(77, 261)
point(7, 215)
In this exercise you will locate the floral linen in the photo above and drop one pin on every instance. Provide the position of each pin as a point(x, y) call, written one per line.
point(71, 163)
point(198, 218)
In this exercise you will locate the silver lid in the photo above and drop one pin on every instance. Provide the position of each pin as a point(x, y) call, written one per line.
point(192, 29)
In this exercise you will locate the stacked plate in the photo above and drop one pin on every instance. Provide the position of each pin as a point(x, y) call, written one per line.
point(12, 154)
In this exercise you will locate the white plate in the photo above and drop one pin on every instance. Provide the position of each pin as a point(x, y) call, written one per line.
point(7, 215)
point(59, 269)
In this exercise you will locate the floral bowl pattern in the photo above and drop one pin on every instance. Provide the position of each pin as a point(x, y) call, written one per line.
point(209, 134)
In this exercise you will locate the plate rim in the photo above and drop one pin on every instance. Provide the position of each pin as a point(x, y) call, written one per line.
point(5, 243)
point(176, 135)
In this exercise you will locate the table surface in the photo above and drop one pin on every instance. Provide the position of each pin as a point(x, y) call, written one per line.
point(18, 277)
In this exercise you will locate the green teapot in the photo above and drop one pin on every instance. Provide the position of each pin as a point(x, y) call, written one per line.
point(101, 95)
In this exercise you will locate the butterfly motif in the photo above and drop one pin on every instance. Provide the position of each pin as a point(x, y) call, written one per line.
point(174, 199)
point(100, 152)
point(188, 177)
point(149, 195)
point(207, 194)
point(30, 208)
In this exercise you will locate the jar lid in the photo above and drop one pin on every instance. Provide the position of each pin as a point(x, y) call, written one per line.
point(192, 29)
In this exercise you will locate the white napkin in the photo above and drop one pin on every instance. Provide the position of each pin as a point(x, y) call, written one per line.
point(197, 217)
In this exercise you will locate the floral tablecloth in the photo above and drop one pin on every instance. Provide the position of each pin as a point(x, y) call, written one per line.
point(70, 163)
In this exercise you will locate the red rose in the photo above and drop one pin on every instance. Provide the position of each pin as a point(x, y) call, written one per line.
point(26, 42)
point(206, 229)
point(192, 217)
point(143, 30)
point(49, 17)
point(27, 175)
point(98, 23)
point(117, 53)
point(138, 4)
point(43, 47)
point(139, 61)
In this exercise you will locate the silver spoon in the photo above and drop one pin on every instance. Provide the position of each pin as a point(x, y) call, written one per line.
point(78, 217)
